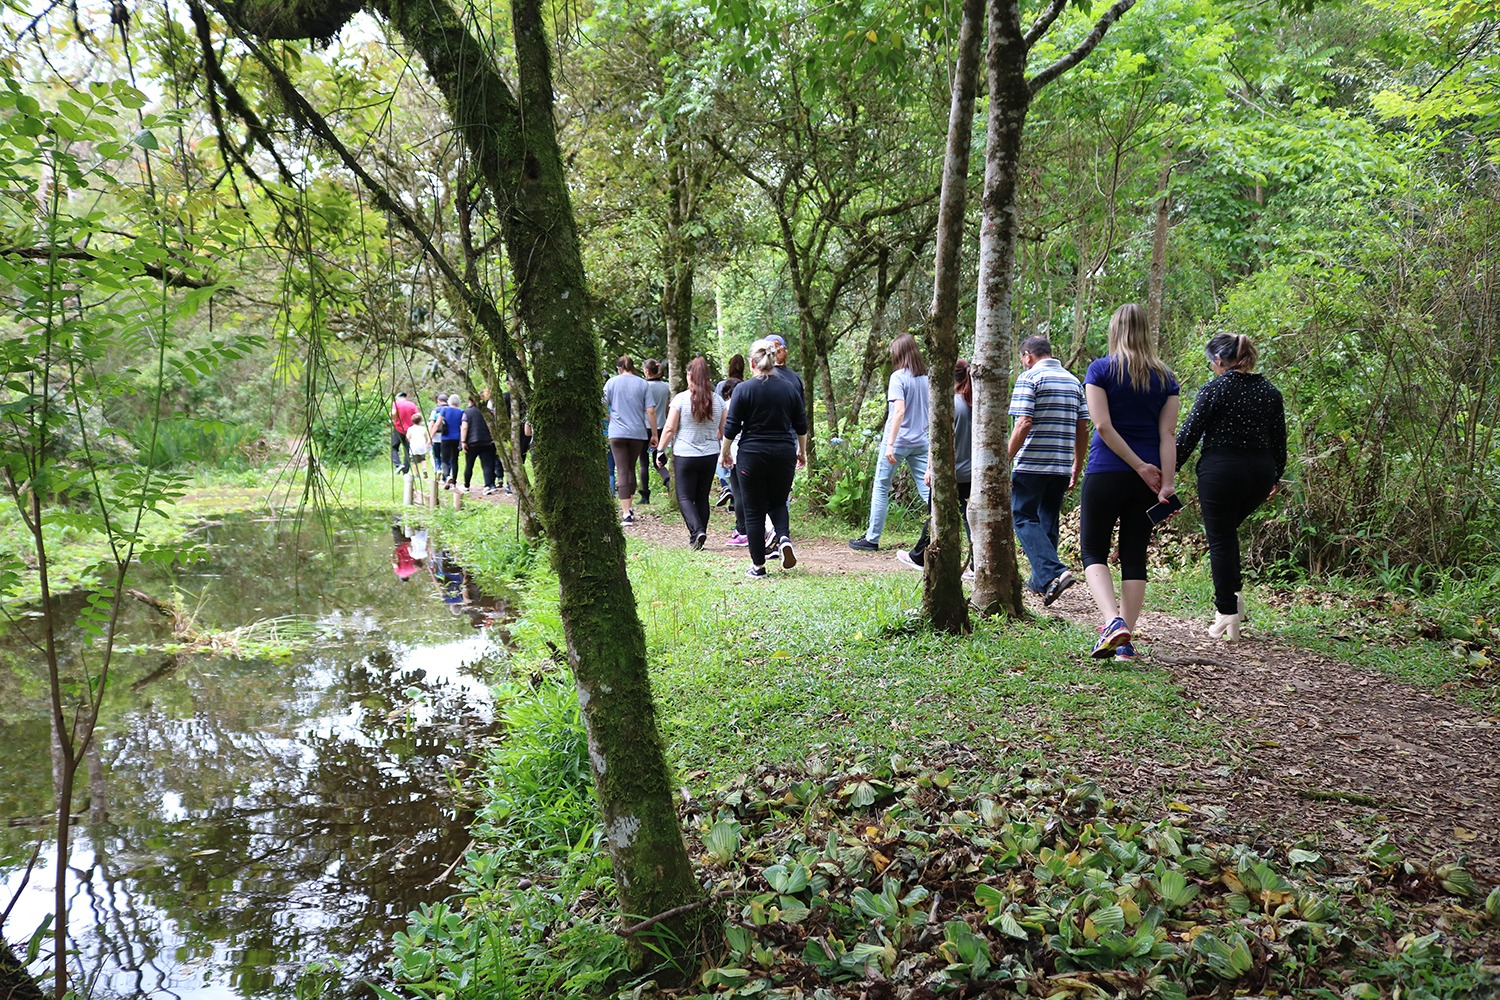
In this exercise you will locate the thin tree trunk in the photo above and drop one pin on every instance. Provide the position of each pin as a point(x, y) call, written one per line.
point(942, 586)
point(1156, 278)
point(677, 286)
point(997, 583)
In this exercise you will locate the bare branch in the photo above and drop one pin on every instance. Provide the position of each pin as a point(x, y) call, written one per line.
point(1089, 43)
point(1043, 22)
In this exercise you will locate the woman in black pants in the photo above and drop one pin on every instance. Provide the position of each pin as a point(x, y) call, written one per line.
point(767, 415)
point(1132, 398)
point(694, 426)
point(1240, 417)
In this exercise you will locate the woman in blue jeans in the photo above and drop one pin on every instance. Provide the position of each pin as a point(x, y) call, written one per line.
point(1240, 418)
point(904, 438)
point(1132, 399)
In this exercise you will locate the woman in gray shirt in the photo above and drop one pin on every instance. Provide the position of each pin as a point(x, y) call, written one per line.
point(632, 427)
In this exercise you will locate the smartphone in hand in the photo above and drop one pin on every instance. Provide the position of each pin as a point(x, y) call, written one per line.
point(1161, 511)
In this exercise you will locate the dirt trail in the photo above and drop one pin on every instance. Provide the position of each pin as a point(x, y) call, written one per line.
point(1319, 748)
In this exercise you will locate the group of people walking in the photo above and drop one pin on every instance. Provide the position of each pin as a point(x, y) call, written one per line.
point(1115, 433)
point(451, 431)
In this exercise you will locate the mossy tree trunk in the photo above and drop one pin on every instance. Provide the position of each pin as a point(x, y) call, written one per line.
point(942, 588)
point(511, 136)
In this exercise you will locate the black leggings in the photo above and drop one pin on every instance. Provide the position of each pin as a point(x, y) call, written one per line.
point(766, 482)
point(1230, 486)
point(486, 454)
point(1107, 499)
point(695, 478)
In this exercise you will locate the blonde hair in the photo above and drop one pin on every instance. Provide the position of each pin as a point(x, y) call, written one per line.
point(1132, 352)
point(763, 356)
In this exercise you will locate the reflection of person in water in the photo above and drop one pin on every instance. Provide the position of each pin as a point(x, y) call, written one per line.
point(401, 560)
point(449, 577)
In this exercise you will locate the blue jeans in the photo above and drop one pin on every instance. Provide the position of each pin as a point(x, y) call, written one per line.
point(885, 472)
point(1036, 500)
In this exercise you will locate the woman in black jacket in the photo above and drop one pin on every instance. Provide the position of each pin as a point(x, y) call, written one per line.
point(1241, 420)
point(767, 415)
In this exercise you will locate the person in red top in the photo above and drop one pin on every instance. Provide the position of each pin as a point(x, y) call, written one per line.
point(402, 412)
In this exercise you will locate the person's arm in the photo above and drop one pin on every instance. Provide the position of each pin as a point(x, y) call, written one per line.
point(731, 429)
point(898, 414)
point(651, 423)
point(1099, 410)
point(1080, 450)
point(1018, 435)
point(1197, 421)
point(1022, 405)
point(669, 432)
point(1166, 430)
point(463, 433)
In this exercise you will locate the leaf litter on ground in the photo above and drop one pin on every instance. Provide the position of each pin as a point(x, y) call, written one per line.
point(886, 879)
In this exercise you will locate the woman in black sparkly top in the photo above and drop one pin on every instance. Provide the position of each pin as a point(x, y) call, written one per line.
point(1241, 421)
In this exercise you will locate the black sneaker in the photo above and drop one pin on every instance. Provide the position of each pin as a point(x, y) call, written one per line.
point(1055, 589)
point(756, 572)
point(863, 544)
point(698, 540)
point(788, 557)
point(724, 498)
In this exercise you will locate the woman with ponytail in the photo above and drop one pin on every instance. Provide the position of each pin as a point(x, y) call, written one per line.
point(694, 428)
point(963, 466)
point(1240, 418)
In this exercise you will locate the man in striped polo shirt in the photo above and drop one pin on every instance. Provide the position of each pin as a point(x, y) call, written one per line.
point(1048, 445)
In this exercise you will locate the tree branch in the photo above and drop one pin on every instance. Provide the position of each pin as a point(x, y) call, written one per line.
point(1079, 54)
point(1043, 22)
point(176, 279)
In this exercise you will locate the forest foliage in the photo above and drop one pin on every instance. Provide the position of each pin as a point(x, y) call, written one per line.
point(1326, 182)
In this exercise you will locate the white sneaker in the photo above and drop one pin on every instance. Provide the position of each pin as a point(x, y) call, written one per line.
point(788, 557)
point(904, 558)
point(968, 576)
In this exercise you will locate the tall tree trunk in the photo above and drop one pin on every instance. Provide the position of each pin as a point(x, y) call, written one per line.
point(942, 586)
point(1156, 278)
point(677, 286)
point(514, 145)
point(997, 584)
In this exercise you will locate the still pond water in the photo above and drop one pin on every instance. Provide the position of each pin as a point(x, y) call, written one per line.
point(242, 818)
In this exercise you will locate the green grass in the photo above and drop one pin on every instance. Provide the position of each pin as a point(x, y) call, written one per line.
point(775, 671)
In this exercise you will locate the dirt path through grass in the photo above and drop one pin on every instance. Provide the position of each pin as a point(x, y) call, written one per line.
point(1320, 750)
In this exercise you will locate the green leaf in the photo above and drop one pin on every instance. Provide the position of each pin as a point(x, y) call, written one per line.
point(146, 140)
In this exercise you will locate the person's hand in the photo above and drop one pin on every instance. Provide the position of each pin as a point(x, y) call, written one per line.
point(726, 460)
point(927, 476)
point(1151, 475)
point(890, 454)
point(801, 460)
point(1073, 479)
point(1166, 492)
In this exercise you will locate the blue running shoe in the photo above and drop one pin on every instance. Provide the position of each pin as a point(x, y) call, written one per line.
point(1111, 636)
point(1126, 652)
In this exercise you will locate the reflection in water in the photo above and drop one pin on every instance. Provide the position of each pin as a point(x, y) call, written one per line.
point(247, 817)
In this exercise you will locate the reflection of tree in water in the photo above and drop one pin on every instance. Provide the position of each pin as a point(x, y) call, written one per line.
point(278, 847)
point(247, 817)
